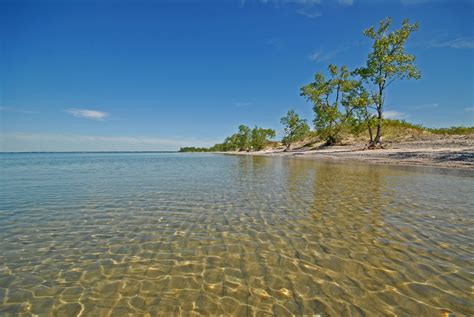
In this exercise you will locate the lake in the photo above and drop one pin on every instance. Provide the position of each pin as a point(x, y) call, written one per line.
point(93, 234)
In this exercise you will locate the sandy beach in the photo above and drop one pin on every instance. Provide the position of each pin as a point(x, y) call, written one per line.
point(440, 151)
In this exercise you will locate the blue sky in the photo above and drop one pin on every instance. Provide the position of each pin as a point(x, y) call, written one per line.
point(157, 75)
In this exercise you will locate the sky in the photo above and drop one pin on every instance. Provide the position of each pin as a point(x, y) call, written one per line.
point(157, 75)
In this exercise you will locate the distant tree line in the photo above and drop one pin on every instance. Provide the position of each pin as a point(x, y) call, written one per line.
point(343, 100)
point(245, 139)
point(194, 149)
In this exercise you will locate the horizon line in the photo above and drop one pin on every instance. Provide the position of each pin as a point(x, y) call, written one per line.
point(124, 151)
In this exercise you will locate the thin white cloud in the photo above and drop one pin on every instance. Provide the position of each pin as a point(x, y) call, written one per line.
point(427, 106)
point(320, 56)
point(391, 114)
point(88, 114)
point(469, 109)
point(309, 13)
point(456, 43)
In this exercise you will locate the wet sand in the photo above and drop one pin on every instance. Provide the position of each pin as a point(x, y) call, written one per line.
point(447, 152)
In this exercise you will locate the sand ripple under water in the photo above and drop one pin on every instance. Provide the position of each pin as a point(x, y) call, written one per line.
point(151, 234)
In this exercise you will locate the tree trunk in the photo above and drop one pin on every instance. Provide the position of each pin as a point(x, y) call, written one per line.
point(331, 141)
point(370, 132)
point(378, 136)
point(377, 141)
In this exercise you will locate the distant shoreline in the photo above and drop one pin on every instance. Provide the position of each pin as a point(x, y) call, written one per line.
point(454, 153)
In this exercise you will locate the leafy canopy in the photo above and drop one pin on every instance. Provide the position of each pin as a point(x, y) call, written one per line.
point(243, 138)
point(295, 128)
point(330, 101)
point(259, 137)
point(388, 60)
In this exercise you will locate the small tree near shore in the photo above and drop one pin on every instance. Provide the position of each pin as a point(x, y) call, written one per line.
point(243, 138)
point(295, 128)
point(259, 137)
point(386, 62)
point(329, 98)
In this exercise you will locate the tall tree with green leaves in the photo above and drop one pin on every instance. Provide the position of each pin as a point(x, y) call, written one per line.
point(260, 136)
point(387, 62)
point(231, 143)
point(329, 101)
point(295, 128)
point(243, 138)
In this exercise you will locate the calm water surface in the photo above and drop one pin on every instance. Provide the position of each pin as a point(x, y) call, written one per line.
point(149, 234)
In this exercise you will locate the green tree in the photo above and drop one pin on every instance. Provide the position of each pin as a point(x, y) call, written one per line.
point(243, 138)
point(231, 143)
point(386, 62)
point(295, 128)
point(194, 149)
point(329, 98)
point(260, 136)
point(359, 100)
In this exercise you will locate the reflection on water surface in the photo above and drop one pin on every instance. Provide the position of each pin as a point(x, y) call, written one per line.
point(137, 233)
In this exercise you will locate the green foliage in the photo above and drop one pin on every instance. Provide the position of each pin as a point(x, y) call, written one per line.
point(259, 137)
point(243, 138)
point(361, 118)
point(193, 149)
point(401, 129)
point(386, 62)
point(453, 130)
point(295, 128)
point(402, 124)
point(388, 59)
point(231, 143)
point(330, 98)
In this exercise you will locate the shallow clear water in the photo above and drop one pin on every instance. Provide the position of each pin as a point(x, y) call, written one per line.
point(149, 233)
